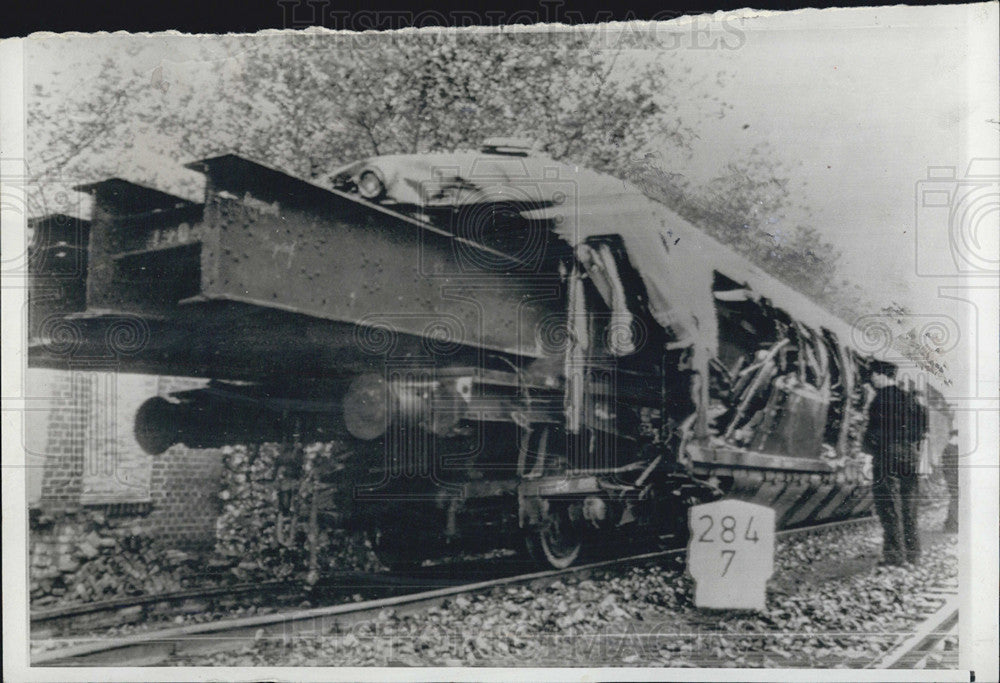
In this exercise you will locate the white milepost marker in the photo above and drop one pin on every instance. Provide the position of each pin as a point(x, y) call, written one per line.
point(731, 554)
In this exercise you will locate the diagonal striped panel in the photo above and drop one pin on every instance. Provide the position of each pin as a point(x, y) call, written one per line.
point(817, 496)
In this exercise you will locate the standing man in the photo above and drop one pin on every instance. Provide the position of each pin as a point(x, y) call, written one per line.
point(949, 467)
point(896, 426)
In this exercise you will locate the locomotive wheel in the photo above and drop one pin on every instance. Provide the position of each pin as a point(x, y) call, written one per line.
point(558, 543)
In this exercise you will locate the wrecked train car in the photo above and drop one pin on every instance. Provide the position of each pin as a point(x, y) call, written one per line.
point(517, 350)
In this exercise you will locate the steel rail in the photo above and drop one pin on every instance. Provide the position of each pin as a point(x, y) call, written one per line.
point(103, 613)
point(909, 651)
point(44, 616)
point(154, 647)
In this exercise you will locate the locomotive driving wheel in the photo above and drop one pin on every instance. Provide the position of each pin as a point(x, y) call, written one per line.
point(556, 543)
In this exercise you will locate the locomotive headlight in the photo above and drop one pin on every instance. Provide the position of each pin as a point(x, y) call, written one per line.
point(370, 186)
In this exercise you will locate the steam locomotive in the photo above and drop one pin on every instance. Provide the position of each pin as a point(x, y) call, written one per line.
point(516, 350)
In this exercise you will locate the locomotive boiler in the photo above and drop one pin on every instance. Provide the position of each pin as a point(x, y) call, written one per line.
point(518, 351)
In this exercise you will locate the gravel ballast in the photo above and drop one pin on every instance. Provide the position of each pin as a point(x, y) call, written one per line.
point(828, 605)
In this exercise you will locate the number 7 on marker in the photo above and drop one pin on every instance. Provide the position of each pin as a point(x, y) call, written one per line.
point(729, 559)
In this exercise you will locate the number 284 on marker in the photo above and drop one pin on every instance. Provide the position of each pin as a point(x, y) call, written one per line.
point(726, 531)
point(731, 553)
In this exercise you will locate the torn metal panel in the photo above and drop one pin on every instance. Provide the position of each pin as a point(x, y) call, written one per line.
point(603, 271)
point(793, 421)
point(719, 454)
point(675, 258)
point(848, 379)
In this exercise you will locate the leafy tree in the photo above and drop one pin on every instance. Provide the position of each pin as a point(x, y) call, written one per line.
point(66, 140)
point(308, 104)
point(310, 110)
point(111, 119)
point(747, 207)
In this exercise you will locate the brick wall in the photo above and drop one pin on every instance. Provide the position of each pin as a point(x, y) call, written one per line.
point(184, 486)
point(80, 446)
point(115, 468)
point(57, 454)
point(184, 492)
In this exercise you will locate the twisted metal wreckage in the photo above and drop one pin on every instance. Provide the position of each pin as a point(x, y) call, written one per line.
point(512, 347)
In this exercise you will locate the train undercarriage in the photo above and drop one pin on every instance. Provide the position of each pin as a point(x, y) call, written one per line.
point(425, 488)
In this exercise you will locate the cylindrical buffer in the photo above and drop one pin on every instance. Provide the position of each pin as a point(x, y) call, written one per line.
point(161, 423)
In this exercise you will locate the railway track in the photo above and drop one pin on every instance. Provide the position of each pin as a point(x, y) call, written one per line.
point(916, 650)
point(157, 646)
point(87, 617)
point(121, 611)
